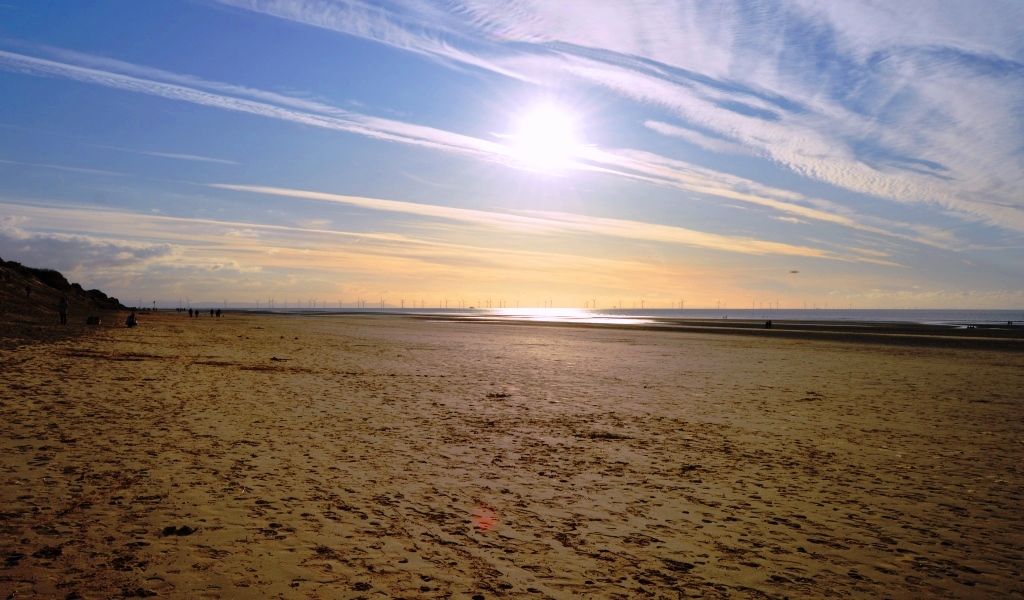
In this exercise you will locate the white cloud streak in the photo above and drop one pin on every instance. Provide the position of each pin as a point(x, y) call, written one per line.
point(188, 157)
point(554, 222)
point(63, 168)
point(339, 120)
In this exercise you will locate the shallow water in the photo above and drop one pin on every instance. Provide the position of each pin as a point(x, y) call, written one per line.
point(647, 316)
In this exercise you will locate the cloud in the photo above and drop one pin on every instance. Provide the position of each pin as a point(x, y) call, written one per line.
point(713, 143)
point(203, 262)
point(719, 114)
point(176, 255)
point(626, 163)
point(554, 222)
point(189, 157)
point(676, 235)
point(72, 253)
point(920, 105)
point(247, 233)
point(336, 119)
point(425, 28)
point(314, 223)
point(233, 267)
point(63, 168)
point(465, 215)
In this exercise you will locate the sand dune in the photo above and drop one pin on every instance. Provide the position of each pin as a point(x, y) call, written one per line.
point(386, 457)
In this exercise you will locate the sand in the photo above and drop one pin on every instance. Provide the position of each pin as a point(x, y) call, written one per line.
point(386, 457)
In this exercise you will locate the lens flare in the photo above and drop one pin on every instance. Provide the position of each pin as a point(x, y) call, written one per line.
point(484, 518)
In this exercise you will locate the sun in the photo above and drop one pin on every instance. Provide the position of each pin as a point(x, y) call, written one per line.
point(544, 138)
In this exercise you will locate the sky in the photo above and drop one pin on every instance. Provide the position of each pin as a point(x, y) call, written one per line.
point(864, 153)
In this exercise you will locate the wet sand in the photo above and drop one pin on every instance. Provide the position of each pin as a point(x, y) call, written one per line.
point(387, 457)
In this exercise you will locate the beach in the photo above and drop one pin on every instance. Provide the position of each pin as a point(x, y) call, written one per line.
point(273, 456)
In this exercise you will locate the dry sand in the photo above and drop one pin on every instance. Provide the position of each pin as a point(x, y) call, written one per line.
point(388, 457)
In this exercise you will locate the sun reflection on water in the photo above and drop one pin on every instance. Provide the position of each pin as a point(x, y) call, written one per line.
point(557, 315)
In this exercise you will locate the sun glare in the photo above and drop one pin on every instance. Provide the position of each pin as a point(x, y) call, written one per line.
point(545, 138)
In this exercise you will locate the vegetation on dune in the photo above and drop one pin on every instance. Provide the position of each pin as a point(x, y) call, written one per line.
point(29, 300)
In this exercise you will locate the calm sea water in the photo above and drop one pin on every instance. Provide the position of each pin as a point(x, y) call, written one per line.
point(642, 316)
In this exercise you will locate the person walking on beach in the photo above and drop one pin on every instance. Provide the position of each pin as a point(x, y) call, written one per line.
point(62, 308)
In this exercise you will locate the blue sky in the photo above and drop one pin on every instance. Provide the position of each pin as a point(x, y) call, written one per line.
point(857, 153)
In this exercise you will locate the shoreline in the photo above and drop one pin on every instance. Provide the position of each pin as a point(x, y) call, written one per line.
point(997, 318)
point(1008, 339)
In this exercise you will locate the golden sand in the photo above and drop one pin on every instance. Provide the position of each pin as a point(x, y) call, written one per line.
point(388, 457)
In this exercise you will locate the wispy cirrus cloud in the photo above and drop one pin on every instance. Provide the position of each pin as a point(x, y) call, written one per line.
point(920, 105)
point(336, 119)
point(176, 156)
point(175, 253)
point(713, 143)
point(70, 169)
point(556, 222)
point(850, 95)
point(632, 164)
point(426, 28)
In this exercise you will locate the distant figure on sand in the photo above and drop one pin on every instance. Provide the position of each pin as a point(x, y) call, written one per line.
point(768, 324)
point(218, 313)
point(131, 321)
point(62, 308)
point(190, 313)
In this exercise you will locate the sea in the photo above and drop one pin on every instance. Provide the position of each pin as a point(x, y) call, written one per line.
point(953, 317)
